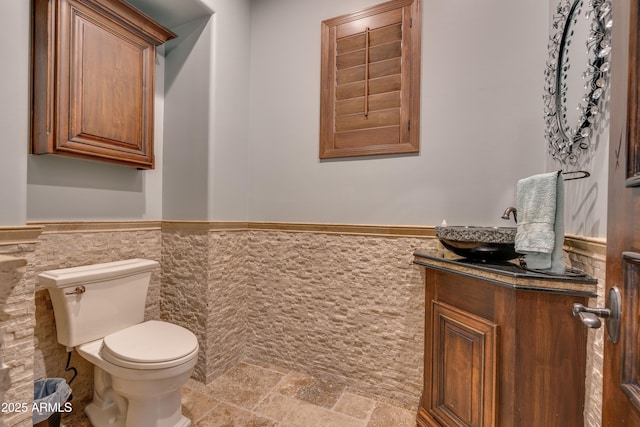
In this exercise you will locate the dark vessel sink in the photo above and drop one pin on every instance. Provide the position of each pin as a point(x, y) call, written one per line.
point(479, 243)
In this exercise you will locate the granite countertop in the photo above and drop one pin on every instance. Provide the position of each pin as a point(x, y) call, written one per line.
point(512, 275)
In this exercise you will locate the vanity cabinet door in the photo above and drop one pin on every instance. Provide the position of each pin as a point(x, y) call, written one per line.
point(463, 381)
point(497, 356)
point(93, 87)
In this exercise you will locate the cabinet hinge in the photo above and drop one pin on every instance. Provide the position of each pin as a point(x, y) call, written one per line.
point(409, 125)
point(411, 22)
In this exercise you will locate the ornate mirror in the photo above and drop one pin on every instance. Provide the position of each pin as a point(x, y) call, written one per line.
point(576, 76)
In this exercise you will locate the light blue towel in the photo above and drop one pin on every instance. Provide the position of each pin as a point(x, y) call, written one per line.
point(540, 229)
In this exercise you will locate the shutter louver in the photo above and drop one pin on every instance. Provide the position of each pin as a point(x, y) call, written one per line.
point(366, 101)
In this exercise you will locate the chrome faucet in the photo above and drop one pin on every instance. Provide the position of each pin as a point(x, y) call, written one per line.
point(507, 213)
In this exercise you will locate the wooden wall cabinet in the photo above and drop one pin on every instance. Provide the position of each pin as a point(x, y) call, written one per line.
point(93, 80)
point(500, 355)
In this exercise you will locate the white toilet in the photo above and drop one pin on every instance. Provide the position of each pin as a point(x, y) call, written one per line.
point(139, 366)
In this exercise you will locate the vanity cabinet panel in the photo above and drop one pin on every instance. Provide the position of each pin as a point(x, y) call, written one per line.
point(93, 80)
point(464, 367)
point(500, 356)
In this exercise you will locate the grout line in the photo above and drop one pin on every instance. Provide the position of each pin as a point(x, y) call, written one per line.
point(333, 408)
point(272, 389)
point(249, 411)
point(218, 402)
point(206, 395)
point(373, 408)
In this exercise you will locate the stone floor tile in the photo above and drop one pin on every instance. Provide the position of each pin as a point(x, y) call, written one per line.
point(385, 415)
point(244, 385)
point(237, 394)
point(266, 396)
point(308, 415)
point(318, 391)
point(225, 415)
point(195, 386)
point(410, 406)
point(292, 382)
point(276, 406)
point(195, 404)
point(252, 375)
point(355, 406)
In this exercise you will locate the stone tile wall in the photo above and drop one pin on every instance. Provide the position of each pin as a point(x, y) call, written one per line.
point(205, 289)
point(228, 296)
point(11, 271)
point(589, 255)
point(184, 286)
point(61, 248)
point(18, 345)
point(348, 305)
point(345, 305)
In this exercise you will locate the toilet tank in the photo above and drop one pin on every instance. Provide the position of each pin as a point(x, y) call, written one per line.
point(92, 301)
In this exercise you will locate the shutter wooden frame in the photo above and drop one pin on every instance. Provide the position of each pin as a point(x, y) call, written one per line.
point(345, 132)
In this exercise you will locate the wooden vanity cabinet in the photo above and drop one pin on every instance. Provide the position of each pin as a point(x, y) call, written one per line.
point(93, 80)
point(500, 356)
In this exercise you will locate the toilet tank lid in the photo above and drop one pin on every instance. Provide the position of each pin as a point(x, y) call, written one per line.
point(64, 277)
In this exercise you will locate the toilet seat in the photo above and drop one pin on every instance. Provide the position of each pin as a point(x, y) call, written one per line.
point(150, 345)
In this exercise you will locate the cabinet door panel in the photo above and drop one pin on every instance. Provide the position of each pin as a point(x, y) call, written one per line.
point(106, 96)
point(93, 80)
point(109, 101)
point(464, 368)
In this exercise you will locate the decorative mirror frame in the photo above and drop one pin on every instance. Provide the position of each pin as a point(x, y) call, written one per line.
point(567, 143)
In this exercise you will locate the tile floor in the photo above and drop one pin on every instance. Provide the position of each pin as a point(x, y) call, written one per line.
point(266, 396)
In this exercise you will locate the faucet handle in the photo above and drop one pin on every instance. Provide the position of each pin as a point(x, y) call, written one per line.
point(507, 213)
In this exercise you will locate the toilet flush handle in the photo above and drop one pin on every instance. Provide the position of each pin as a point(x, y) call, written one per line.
point(77, 291)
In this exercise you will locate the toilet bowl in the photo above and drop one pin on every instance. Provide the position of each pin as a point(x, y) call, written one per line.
point(148, 378)
point(139, 366)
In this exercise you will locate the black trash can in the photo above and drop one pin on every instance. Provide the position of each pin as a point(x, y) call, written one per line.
point(49, 398)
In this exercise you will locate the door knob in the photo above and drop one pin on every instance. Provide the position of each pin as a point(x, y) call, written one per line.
point(590, 320)
point(590, 317)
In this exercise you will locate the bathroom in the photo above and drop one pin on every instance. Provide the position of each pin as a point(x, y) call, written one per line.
point(268, 254)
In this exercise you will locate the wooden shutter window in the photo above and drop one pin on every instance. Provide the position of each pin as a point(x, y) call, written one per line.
point(370, 85)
